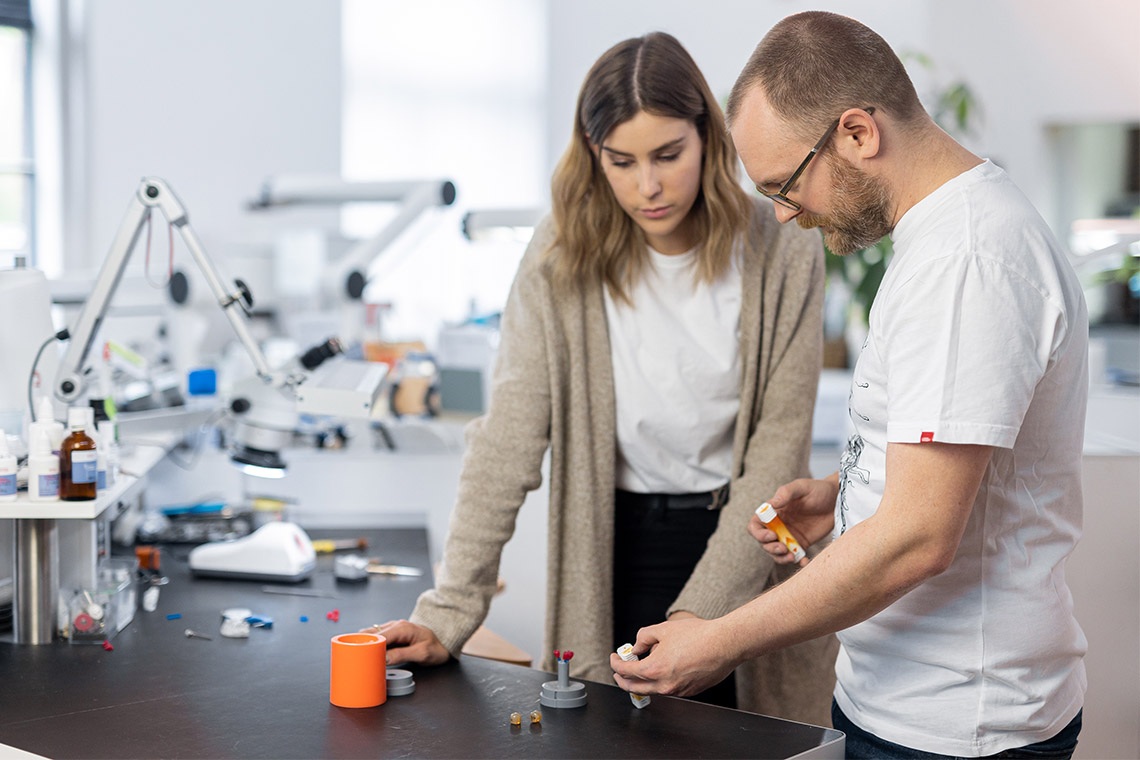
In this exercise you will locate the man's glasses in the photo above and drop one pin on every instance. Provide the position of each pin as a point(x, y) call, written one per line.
point(781, 196)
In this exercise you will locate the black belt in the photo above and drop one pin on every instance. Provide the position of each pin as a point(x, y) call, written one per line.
point(714, 499)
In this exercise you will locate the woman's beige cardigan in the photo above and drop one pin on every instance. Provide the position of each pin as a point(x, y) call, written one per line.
point(553, 388)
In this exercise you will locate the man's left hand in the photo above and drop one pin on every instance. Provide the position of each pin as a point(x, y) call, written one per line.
point(680, 660)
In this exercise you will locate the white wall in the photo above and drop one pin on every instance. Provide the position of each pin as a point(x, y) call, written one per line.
point(1104, 575)
point(1035, 63)
point(211, 96)
point(444, 88)
point(216, 95)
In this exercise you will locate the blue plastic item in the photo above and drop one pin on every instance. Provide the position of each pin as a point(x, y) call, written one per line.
point(260, 621)
point(202, 382)
point(202, 508)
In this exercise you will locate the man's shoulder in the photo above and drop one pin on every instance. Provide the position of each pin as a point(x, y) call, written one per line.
point(989, 219)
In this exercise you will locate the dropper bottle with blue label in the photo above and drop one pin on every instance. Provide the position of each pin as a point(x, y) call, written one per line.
point(77, 459)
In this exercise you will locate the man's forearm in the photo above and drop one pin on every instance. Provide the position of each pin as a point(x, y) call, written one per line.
point(912, 536)
point(847, 583)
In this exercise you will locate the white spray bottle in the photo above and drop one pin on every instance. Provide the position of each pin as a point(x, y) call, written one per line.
point(45, 419)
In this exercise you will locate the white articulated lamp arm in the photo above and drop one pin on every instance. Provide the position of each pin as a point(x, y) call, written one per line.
point(348, 276)
point(152, 193)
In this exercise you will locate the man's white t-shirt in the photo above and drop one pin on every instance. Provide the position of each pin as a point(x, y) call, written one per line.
point(676, 365)
point(978, 335)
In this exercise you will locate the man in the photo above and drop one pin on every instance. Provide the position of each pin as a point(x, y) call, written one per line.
point(959, 499)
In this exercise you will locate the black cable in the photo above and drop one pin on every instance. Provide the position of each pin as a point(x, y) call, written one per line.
point(63, 334)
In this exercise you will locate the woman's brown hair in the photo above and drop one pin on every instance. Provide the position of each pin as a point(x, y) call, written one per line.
point(595, 237)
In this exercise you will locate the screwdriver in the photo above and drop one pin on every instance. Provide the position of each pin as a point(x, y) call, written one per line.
point(330, 545)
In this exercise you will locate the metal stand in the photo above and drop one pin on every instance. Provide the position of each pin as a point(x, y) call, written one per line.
point(37, 580)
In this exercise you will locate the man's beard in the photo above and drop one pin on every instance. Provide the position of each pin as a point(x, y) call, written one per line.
point(861, 209)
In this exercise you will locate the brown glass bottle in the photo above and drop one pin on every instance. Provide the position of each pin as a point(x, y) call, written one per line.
point(77, 460)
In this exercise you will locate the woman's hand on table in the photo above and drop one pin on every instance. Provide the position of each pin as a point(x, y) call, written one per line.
point(409, 642)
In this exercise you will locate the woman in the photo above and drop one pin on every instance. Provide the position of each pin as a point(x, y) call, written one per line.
point(663, 339)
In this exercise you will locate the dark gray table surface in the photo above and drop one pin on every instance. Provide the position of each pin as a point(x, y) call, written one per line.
point(160, 694)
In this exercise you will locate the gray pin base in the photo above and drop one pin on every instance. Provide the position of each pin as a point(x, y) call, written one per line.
point(554, 694)
point(400, 682)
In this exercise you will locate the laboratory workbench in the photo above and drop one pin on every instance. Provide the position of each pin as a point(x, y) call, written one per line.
point(161, 694)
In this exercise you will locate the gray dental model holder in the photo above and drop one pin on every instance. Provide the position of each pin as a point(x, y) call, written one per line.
point(563, 692)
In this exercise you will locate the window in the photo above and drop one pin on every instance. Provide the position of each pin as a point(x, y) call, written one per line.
point(462, 100)
point(16, 174)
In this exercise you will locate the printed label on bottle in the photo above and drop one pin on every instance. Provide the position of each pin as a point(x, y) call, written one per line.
point(101, 479)
point(83, 466)
point(7, 484)
point(49, 484)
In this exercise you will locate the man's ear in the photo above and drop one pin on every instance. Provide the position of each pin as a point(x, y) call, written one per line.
point(859, 134)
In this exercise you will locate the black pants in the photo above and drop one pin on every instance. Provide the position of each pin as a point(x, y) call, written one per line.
point(655, 551)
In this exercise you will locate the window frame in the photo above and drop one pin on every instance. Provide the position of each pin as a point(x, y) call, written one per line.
point(24, 167)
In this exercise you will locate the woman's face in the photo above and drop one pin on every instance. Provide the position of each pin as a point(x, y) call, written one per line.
point(653, 164)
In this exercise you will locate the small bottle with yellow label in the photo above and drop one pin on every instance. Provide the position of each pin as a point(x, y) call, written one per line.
point(767, 514)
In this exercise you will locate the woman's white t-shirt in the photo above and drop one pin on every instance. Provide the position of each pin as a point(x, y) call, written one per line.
point(676, 363)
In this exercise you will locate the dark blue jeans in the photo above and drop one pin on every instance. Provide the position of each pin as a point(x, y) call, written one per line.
point(861, 744)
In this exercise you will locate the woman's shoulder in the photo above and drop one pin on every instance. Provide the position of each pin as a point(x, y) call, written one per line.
point(535, 260)
point(786, 253)
point(543, 238)
point(780, 240)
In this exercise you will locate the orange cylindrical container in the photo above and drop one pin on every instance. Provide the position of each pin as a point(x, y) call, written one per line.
point(357, 675)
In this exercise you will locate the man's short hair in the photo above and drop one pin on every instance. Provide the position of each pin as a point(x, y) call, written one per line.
point(815, 65)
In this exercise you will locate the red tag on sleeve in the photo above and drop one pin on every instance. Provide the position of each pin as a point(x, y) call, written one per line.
point(926, 437)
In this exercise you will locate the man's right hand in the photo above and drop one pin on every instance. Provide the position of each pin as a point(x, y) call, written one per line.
point(408, 642)
point(807, 507)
